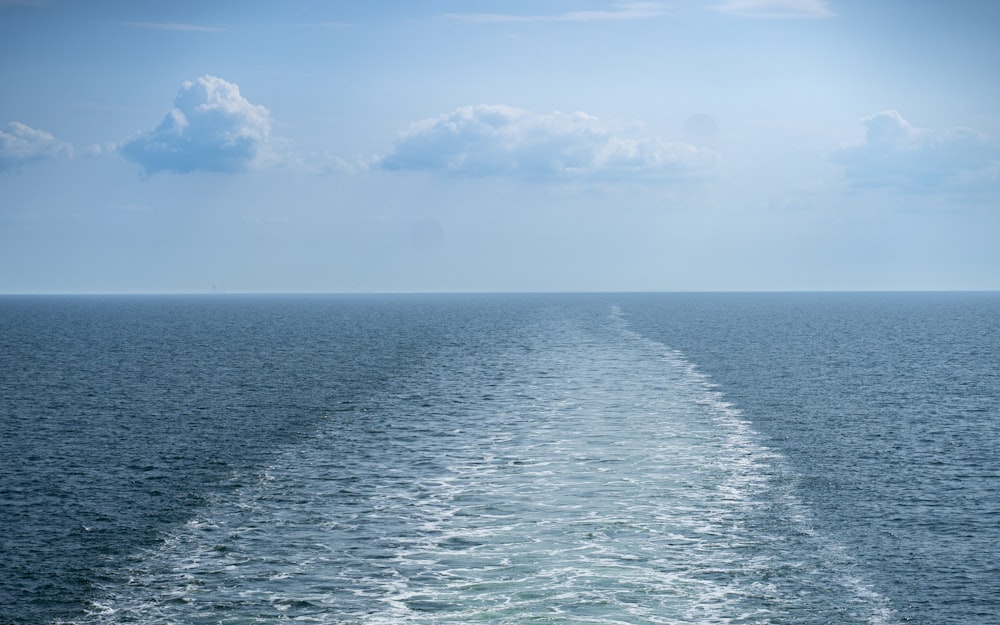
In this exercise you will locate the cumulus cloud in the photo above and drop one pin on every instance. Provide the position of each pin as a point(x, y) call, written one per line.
point(775, 8)
point(620, 12)
point(894, 153)
point(20, 144)
point(491, 140)
point(211, 127)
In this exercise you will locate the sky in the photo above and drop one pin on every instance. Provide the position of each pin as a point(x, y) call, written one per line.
point(498, 145)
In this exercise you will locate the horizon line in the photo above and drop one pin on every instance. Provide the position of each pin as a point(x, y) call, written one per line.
point(484, 292)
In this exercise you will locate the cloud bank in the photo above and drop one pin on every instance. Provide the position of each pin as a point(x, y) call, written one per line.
point(492, 140)
point(896, 154)
point(21, 144)
point(621, 12)
point(775, 8)
point(211, 127)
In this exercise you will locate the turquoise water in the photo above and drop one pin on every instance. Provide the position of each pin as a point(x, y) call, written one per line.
point(506, 459)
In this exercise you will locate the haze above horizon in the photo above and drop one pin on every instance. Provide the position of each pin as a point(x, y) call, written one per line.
point(506, 146)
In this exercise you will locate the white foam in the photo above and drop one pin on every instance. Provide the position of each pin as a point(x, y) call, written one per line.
point(626, 489)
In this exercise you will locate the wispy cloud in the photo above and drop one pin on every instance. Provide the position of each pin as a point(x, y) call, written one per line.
point(896, 154)
point(21, 144)
point(775, 8)
point(493, 140)
point(174, 26)
point(619, 12)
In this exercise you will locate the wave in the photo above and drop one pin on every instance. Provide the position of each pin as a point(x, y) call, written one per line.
point(575, 473)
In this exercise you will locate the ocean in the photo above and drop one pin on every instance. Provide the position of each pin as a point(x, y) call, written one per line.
point(771, 458)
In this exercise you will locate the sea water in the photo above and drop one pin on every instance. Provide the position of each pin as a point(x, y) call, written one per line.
point(771, 458)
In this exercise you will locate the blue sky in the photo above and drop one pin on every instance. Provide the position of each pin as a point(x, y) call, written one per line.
point(498, 145)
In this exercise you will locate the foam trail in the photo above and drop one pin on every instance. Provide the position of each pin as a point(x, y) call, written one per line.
point(584, 474)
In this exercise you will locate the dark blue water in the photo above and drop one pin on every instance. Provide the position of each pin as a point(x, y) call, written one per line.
point(123, 415)
point(888, 407)
point(771, 458)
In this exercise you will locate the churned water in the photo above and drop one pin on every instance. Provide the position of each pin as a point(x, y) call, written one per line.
point(505, 459)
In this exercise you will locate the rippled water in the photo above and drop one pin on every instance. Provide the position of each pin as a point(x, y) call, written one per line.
point(473, 459)
point(887, 408)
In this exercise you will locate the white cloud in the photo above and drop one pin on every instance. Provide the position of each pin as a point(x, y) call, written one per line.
point(21, 144)
point(620, 12)
point(491, 140)
point(894, 153)
point(211, 127)
point(775, 8)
